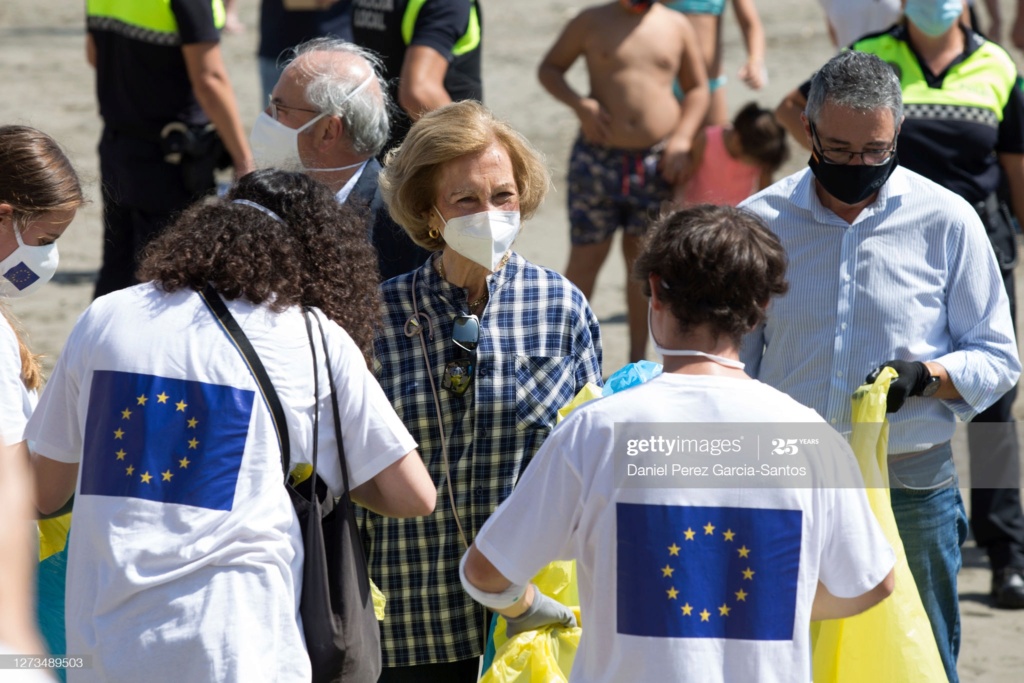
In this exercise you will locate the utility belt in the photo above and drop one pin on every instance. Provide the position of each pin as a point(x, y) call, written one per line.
point(197, 150)
point(998, 221)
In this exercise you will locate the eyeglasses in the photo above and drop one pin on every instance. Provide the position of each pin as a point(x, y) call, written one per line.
point(273, 106)
point(870, 157)
point(458, 374)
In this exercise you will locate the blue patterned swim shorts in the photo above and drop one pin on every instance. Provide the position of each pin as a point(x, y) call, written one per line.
point(611, 189)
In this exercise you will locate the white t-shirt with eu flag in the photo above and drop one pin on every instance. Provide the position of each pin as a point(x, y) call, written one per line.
point(185, 553)
point(681, 579)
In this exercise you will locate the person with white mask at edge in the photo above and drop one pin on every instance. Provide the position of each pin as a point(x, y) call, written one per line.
point(477, 351)
point(40, 193)
point(328, 117)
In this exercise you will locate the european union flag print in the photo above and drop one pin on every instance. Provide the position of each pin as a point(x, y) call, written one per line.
point(21, 276)
point(707, 572)
point(167, 440)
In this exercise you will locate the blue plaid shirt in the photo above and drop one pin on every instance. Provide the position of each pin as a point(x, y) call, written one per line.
point(539, 344)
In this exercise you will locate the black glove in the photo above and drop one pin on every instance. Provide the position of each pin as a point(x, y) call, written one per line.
point(913, 377)
point(542, 612)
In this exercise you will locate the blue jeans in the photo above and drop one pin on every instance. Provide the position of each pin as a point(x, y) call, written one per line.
point(932, 522)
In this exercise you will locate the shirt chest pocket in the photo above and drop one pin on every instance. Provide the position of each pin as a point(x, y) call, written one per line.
point(543, 385)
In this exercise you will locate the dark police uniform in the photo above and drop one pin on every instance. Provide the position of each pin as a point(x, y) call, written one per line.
point(142, 85)
point(452, 27)
point(282, 29)
point(956, 124)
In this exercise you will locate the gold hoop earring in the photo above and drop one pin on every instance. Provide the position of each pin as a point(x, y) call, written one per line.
point(434, 233)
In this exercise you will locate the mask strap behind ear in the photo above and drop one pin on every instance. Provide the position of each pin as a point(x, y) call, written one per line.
point(413, 328)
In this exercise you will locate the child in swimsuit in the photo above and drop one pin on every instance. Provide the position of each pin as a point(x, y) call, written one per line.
point(635, 137)
point(732, 162)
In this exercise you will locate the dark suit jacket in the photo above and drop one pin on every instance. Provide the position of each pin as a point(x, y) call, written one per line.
point(396, 252)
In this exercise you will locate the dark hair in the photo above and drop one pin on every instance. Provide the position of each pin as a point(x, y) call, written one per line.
point(761, 136)
point(717, 265)
point(317, 255)
point(35, 174)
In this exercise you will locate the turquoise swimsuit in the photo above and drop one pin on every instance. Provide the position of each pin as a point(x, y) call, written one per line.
point(715, 7)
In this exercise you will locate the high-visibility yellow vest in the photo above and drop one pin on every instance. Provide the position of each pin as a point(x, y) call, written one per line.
point(150, 21)
point(469, 41)
point(976, 88)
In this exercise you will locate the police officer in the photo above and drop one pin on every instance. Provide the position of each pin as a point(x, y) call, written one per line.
point(964, 129)
point(431, 51)
point(161, 83)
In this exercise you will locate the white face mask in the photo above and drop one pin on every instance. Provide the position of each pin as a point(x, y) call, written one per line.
point(27, 269)
point(275, 145)
point(721, 360)
point(483, 238)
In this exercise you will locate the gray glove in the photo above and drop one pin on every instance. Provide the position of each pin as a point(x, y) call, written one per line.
point(543, 612)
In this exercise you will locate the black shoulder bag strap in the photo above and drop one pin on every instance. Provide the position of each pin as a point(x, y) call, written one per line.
point(231, 327)
point(334, 407)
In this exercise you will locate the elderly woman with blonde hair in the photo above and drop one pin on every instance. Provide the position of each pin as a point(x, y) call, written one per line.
point(477, 351)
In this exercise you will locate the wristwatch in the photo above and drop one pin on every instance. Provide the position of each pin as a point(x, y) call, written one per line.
point(931, 386)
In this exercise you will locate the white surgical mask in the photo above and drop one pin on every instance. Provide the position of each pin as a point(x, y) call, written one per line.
point(275, 145)
point(27, 269)
point(721, 360)
point(483, 238)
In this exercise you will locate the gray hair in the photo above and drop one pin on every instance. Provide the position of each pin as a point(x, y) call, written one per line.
point(365, 115)
point(855, 80)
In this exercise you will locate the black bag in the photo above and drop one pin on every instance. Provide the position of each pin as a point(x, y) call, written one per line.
point(198, 150)
point(339, 624)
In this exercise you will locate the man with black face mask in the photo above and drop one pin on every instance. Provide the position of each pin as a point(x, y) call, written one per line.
point(887, 268)
point(964, 129)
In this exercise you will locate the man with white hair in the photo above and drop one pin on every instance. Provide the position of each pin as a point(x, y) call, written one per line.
point(328, 117)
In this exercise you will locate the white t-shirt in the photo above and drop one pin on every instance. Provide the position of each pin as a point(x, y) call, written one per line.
point(635, 542)
point(16, 402)
point(185, 556)
point(852, 19)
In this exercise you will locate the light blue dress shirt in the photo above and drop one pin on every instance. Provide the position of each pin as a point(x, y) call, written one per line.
point(913, 278)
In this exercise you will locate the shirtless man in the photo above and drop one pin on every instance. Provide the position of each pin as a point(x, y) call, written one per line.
point(635, 137)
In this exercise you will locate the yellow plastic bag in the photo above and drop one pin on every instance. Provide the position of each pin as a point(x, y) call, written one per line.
point(892, 642)
point(589, 392)
point(546, 655)
point(543, 656)
point(53, 535)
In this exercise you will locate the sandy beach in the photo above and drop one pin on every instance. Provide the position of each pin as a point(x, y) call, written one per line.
point(50, 86)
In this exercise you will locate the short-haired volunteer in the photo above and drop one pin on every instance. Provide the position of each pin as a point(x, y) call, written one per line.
point(477, 351)
point(689, 581)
